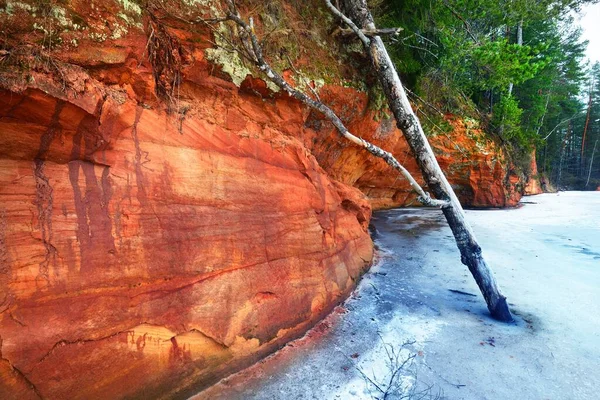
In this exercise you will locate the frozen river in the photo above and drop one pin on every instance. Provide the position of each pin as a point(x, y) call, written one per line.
point(546, 256)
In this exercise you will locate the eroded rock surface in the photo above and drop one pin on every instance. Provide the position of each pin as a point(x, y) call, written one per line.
point(477, 170)
point(533, 185)
point(156, 237)
point(144, 254)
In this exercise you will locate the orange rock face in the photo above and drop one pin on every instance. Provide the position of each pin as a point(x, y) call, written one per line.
point(146, 256)
point(533, 185)
point(475, 167)
point(149, 259)
point(147, 253)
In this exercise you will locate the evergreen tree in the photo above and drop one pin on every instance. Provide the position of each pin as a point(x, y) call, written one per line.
point(520, 64)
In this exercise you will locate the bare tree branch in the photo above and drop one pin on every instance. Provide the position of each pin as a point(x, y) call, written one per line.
point(471, 253)
point(306, 83)
point(367, 32)
point(559, 124)
point(470, 250)
point(363, 38)
point(252, 47)
point(464, 21)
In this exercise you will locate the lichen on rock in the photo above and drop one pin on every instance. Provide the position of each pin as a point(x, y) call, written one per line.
point(131, 6)
point(229, 59)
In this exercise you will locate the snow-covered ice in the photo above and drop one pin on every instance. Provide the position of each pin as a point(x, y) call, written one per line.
point(546, 256)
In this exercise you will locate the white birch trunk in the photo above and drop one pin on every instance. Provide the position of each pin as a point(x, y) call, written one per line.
point(591, 163)
point(520, 43)
point(471, 253)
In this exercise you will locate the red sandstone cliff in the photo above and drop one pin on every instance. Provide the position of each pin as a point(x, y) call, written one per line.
point(475, 167)
point(147, 252)
point(533, 185)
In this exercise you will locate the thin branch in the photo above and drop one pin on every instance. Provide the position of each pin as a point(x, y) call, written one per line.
point(464, 21)
point(591, 164)
point(366, 377)
point(306, 83)
point(369, 32)
point(422, 48)
point(559, 124)
point(427, 40)
point(434, 108)
point(363, 38)
point(541, 123)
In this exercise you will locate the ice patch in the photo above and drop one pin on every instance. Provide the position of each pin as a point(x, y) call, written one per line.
point(402, 338)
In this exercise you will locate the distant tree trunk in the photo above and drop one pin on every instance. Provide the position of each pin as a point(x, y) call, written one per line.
point(560, 167)
point(591, 163)
point(585, 128)
point(570, 145)
point(563, 149)
point(545, 157)
point(471, 253)
point(520, 43)
point(541, 123)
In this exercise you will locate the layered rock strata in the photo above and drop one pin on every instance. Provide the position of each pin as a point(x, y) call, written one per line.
point(162, 224)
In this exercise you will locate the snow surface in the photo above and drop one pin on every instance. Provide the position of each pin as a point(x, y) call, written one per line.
point(546, 256)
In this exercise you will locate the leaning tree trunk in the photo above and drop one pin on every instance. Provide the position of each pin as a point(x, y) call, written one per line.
point(591, 164)
point(471, 254)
